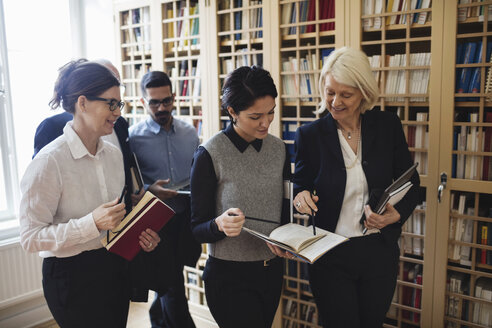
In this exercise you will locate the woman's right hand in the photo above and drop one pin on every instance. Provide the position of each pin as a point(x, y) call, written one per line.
point(231, 222)
point(109, 215)
point(305, 202)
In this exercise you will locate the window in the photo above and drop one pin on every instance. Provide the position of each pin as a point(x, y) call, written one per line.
point(8, 165)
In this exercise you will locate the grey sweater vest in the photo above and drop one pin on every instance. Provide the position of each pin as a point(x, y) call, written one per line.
point(253, 182)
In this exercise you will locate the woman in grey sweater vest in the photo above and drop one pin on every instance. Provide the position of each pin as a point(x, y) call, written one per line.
point(237, 179)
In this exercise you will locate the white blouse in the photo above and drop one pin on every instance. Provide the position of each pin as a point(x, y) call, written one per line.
point(61, 187)
point(356, 191)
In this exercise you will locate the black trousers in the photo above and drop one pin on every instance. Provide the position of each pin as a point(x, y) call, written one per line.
point(353, 284)
point(243, 294)
point(171, 309)
point(87, 290)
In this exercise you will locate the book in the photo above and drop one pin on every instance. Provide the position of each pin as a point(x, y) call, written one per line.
point(137, 180)
point(150, 212)
point(392, 194)
point(300, 241)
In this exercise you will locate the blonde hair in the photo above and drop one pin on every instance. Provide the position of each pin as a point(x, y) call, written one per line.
point(350, 67)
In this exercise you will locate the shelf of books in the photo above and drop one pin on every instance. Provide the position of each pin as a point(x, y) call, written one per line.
point(307, 36)
point(468, 295)
point(136, 56)
point(397, 37)
point(181, 46)
point(240, 38)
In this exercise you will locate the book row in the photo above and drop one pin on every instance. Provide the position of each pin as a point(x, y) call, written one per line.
point(376, 7)
point(395, 81)
point(464, 231)
point(468, 78)
point(465, 13)
point(242, 20)
point(185, 27)
point(307, 312)
point(305, 11)
point(479, 310)
point(407, 295)
point(472, 139)
point(300, 76)
point(415, 225)
point(243, 57)
point(136, 39)
point(186, 81)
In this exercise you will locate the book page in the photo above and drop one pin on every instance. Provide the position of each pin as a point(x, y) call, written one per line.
point(317, 249)
point(295, 235)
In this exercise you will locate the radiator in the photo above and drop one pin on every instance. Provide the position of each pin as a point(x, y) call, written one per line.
point(20, 275)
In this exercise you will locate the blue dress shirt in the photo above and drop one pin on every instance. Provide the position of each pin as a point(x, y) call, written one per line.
point(164, 154)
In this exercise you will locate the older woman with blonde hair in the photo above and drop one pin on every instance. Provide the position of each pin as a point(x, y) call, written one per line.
point(341, 159)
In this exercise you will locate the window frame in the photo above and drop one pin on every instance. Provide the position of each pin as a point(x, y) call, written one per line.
point(8, 225)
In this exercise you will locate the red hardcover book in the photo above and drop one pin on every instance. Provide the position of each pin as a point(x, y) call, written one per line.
point(150, 212)
point(418, 298)
point(331, 14)
point(311, 15)
point(325, 14)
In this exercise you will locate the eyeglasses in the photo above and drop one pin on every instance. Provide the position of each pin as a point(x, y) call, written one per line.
point(113, 103)
point(155, 103)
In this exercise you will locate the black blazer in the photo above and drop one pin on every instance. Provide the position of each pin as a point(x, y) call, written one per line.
point(320, 165)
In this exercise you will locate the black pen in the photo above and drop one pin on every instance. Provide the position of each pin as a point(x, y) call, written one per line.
point(313, 215)
point(123, 193)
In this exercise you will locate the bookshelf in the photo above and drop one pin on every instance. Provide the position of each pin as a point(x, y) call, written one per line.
point(135, 53)
point(464, 291)
point(239, 39)
point(399, 38)
point(181, 45)
point(307, 35)
point(422, 89)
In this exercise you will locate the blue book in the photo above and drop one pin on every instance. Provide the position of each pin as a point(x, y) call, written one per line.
point(465, 76)
point(238, 15)
point(325, 53)
point(416, 16)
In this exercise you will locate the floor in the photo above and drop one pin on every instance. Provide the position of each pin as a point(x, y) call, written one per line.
point(137, 318)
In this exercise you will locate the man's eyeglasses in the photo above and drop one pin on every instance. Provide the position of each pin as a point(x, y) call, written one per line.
point(113, 103)
point(155, 103)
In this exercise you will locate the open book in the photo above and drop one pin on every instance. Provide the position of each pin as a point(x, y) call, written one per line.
point(300, 241)
point(150, 212)
point(392, 194)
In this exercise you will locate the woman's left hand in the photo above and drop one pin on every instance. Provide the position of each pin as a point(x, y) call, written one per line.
point(149, 240)
point(376, 221)
point(279, 251)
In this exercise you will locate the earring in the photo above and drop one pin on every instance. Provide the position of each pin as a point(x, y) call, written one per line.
point(234, 121)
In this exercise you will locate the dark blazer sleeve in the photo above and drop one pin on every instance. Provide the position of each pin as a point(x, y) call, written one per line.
point(121, 130)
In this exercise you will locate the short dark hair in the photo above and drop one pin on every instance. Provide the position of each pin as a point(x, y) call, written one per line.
point(80, 78)
point(244, 86)
point(154, 79)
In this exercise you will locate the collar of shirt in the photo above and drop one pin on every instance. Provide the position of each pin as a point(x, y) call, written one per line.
point(155, 127)
point(239, 142)
point(76, 146)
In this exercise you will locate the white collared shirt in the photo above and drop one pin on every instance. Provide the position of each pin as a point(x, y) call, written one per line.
point(61, 187)
point(356, 191)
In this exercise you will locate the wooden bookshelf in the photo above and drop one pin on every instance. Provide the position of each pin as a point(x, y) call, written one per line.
point(134, 35)
point(181, 46)
point(463, 257)
point(399, 42)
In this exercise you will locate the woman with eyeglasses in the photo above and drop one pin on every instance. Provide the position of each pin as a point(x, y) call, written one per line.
point(70, 199)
